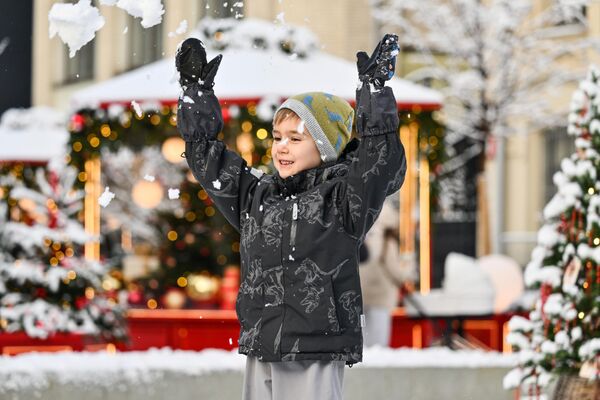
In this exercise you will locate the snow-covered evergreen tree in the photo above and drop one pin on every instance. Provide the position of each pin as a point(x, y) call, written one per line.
point(563, 330)
point(45, 287)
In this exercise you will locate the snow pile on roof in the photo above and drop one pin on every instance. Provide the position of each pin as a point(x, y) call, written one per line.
point(255, 65)
point(34, 134)
point(257, 34)
point(105, 369)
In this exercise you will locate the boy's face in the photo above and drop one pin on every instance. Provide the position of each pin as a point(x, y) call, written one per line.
point(293, 151)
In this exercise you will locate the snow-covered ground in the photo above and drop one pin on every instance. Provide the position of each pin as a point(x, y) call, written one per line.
point(150, 373)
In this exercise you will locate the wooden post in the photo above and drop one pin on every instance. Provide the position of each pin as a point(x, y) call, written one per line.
point(92, 208)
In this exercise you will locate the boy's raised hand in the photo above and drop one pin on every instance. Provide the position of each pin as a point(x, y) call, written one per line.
point(198, 112)
point(380, 66)
point(192, 64)
point(376, 110)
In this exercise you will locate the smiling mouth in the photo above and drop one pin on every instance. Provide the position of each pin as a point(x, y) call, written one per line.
point(285, 163)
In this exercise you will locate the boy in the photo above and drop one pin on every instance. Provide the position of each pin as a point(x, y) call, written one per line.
point(299, 302)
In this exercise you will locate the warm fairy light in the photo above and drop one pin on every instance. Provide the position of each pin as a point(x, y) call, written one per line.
point(54, 261)
point(3, 323)
point(105, 130)
point(221, 259)
point(596, 241)
point(71, 275)
point(173, 120)
point(591, 191)
point(190, 216)
point(182, 281)
point(581, 315)
point(209, 211)
point(172, 236)
point(155, 119)
point(82, 176)
point(244, 142)
point(60, 255)
point(202, 195)
point(56, 246)
point(69, 252)
point(27, 205)
point(246, 126)
point(111, 348)
point(47, 242)
point(235, 247)
point(90, 293)
point(585, 285)
point(152, 304)
point(77, 146)
point(94, 142)
point(172, 149)
point(190, 238)
point(147, 194)
point(262, 133)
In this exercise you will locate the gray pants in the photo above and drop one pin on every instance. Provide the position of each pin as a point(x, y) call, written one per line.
point(293, 380)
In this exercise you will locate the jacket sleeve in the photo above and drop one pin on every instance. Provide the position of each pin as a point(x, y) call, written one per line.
point(224, 175)
point(378, 165)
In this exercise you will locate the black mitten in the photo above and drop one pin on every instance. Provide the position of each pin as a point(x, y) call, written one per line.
point(199, 112)
point(376, 110)
point(192, 66)
point(380, 66)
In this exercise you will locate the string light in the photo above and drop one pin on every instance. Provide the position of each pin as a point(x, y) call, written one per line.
point(152, 304)
point(105, 130)
point(172, 236)
point(262, 133)
point(182, 281)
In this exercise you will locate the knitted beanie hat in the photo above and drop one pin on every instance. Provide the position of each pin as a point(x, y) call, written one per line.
point(328, 119)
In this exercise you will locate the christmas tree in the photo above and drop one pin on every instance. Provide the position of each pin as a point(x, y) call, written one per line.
point(45, 287)
point(562, 335)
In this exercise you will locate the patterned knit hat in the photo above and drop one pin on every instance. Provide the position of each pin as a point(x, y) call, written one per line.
point(328, 119)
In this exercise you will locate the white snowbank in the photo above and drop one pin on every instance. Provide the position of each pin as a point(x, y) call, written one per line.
point(105, 368)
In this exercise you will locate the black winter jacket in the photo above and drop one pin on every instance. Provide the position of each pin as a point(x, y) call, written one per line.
point(300, 296)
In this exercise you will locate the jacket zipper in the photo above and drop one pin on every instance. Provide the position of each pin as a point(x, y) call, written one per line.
point(294, 224)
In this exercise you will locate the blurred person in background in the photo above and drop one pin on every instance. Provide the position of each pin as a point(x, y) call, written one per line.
point(383, 273)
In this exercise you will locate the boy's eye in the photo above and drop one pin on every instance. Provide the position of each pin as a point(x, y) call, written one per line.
point(296, 139)
point(276, 139)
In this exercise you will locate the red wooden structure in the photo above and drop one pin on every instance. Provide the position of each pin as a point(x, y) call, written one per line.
point(202, 329)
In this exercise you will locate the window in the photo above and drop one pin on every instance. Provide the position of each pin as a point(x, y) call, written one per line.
point(558, 146)
point(81, 66)
point(145, 45)
point(570, 15)
point(222, 8)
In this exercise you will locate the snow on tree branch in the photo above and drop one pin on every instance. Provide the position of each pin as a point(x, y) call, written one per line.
point(495, 61)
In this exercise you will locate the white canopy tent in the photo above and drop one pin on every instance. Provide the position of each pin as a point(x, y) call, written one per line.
point(34, 135)
point(250, 75)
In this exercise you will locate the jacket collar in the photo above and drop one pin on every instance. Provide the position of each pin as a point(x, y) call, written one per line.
point(305, 180)
point(309, 178)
